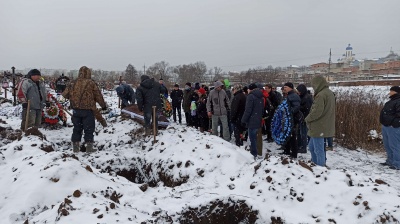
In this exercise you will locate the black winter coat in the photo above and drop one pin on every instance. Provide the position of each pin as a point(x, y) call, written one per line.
point(254, 109)
point(306, 100)
point(390, 114)
point(189, 96)
point(201, 107)
point(237, 107)
point(177, 97)
point(294, 103)
point(148, 94)
point(275, 99)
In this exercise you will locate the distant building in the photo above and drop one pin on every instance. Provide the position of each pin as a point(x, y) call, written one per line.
point(348, 57)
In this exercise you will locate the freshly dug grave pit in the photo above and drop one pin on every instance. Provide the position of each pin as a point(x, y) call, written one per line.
point(141, 172)
point(220, 211)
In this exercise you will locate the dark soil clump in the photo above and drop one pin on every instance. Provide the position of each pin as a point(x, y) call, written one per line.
point(220, 212)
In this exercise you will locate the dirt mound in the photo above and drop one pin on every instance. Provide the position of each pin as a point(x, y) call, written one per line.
point(35, 131)
point(7, 135)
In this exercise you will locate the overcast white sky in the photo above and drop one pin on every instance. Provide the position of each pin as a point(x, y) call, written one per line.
point(232, 34)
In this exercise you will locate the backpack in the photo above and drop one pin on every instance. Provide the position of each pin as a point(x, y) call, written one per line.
point(20, 94)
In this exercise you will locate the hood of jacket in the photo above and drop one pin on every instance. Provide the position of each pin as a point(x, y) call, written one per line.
point(146, 82)
point(120, 89)
point(237, 92)
point(257, 93)
point(144, 77)
point(85, 72)
point(302, 89)
point(319, 83)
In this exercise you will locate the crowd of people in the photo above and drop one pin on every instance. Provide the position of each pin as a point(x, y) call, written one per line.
point(245, 113)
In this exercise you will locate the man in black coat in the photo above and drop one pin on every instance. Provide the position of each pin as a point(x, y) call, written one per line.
point(252, 116)
point(237, 110)
point(273, 102)
point(177, 96)
point(305, 107)
point(147, 96)
point(390, 120)
point(294, 103)
point(127, 95)
point(61, 83)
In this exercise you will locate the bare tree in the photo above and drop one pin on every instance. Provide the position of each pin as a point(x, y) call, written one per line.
point(215, 74)
point(159, 70)
point(131, 74)
point(56, 74)
point(195, 72)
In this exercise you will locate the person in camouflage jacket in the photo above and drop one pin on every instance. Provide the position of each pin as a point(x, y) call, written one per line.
point(83, 94)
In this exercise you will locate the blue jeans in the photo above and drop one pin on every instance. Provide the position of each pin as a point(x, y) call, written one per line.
point(148, 116)
point(253, 141)
point(391, 142)
point(317, 151)
point(329, 141)
point(303, 140)
point(83, 121)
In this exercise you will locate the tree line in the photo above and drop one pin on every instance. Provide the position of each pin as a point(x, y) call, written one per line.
point(193, 72)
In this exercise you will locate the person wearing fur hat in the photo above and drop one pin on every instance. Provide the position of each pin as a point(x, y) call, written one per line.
point(390, 120)
point(217, 108)
point(35, 91)
point(83, 94)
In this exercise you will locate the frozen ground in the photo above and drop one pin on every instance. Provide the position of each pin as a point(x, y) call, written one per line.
point(184, 176)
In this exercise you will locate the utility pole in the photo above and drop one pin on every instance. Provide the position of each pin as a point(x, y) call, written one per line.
point(13, 75)
point(330, 61)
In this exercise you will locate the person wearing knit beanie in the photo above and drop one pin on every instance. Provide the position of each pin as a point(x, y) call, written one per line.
point(395, 89)
point(217, 109)
point(34, 91)
point(289, 84)
point(252, 86)
point(202, 91)
point(197, 86)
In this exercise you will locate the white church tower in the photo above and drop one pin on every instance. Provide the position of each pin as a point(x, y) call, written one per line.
point(348, 57)
point(349, 53)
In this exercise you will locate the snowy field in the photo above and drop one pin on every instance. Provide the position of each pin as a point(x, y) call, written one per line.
point(185, 177)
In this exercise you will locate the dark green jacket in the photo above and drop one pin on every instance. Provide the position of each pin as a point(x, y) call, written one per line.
point(321, 119)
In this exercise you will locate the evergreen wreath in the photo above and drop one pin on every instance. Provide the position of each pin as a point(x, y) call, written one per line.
point(166, 106)
point(282, 123)
point(54, 112)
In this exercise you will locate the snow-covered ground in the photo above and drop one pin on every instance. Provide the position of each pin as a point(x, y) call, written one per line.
point(184, 175)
